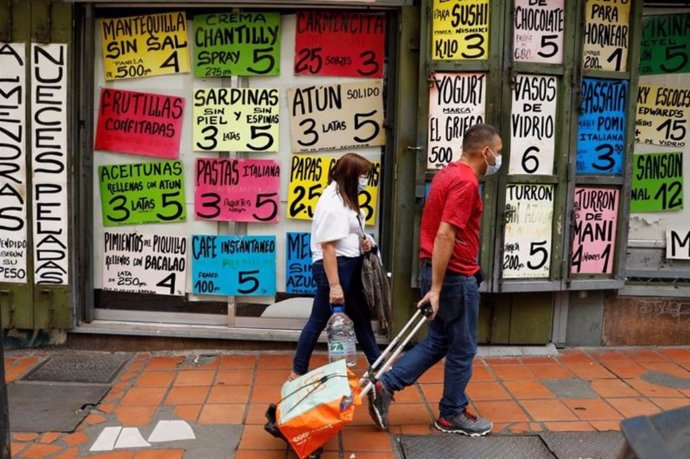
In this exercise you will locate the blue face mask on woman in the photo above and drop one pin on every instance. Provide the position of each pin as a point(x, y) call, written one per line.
point(491, 169)
point(362, 182)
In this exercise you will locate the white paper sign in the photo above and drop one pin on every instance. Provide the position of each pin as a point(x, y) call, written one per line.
point(527, 241)
point(456, 102)
point(13, 242)
point(533, 125)
point(336, 116)
point(538, 31)
point(678, 244)
point(144, 263)
point(49, 163)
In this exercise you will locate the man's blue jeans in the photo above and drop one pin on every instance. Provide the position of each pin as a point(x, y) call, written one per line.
point(453, 334)
point(350, 275)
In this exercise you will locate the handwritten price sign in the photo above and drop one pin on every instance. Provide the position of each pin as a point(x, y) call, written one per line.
point(665, 44)
point(538, 31)
point(657, 184)
point(140, 46)
point(596, 211)
point(607, 35)
point(662, 115)
point(340, 44)
point(460, 30)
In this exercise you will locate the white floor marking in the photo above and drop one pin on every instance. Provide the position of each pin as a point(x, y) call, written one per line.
point(130, 437)
point(106, 440)
point(171, 431)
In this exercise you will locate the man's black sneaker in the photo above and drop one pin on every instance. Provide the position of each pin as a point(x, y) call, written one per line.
point(464, 423)
point(380, 400)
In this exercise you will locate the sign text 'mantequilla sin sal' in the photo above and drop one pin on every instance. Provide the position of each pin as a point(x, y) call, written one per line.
point(596, 211)
point(662, 115)
point(601, 126)
point(607, 35)
point(140, 193)
point(13, 196)
point(243, 44)
point(460, 30)
point(49, 163)
point(338, 43)
point(139, 123)
point(336, 116)
point(144, 263)
point(139, 46)
point(456, 103)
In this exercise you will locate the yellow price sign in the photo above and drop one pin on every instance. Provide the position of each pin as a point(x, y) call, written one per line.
point(141, 46)
point(460, 30)
point(309, 177)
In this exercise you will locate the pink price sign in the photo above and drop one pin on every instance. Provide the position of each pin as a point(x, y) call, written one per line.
point(594, 241)
point(139, 123)
point(240, 190)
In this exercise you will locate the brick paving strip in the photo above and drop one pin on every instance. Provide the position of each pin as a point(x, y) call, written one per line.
point(223, 396)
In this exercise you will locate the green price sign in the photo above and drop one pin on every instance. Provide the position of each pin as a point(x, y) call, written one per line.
point(141, 193)
point(657, 184)
point(665, 44)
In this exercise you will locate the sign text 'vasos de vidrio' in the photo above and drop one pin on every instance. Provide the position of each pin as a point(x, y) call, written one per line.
point(607, 35)
point(141, 46)
point(233, 265)
point(665, 44)
point(236, 119)
point(662, 115)
point(533, 124)
point(527, 237)
point(334, 117)
point(142, 193)
point(144, 263)
point(456, 102)
point(334, 43)
point(139, 123)
point(298, 277)
point(594, 238)
point(13, 196)
point(240, 190)
point(242, 44)
point(308, 178)
point(601, 126)
point(657, 182)
point(538, 31)
point(460, 30)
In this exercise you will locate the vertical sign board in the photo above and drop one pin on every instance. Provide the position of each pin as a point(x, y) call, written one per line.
point(139, 123)
point(335, 117)
point(665, 44)
point(243, 44)
point(334, 43)
point(13, 196)
point(533, 125)
point(456, 102)
point(460, 30)
point(657, 182)
point(299, 279)
point(308, 178)
point(601, 126)
point(594, 238)
point(140, 193)
point(236, 119)
point(233, 265)
point(527, 237)
point(538, 31)
point(607, 35)
point(140, 46)
point(144, 263)
point(662, 115)
point(678, 244)
point(240, 190)
point(49, 163)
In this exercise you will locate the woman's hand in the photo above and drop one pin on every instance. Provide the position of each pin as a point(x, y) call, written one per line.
point(366, 244)
point(336, 295)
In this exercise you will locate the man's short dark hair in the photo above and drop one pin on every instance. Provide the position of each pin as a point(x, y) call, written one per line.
point(477, 136)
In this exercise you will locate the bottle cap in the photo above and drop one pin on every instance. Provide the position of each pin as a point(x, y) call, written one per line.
point(337, 307)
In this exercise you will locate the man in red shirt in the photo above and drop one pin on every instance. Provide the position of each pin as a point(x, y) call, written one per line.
point(449, 279)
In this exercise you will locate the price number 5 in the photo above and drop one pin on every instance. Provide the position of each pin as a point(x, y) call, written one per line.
point(366, 129)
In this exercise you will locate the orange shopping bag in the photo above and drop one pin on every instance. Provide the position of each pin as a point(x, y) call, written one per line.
point(316, 406)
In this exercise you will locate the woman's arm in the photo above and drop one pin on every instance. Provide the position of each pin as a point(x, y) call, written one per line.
point(330, 265)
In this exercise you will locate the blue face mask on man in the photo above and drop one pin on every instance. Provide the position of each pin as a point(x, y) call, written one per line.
point(491, 169)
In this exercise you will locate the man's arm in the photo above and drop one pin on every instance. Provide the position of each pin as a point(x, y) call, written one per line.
point(443, 248)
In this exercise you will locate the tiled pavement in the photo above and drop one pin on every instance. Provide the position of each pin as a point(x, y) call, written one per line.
point(578, 390)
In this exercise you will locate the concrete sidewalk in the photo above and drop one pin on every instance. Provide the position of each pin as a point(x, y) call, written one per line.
point(159, 398)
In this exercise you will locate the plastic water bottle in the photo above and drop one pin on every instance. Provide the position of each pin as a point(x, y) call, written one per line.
point(341, 337)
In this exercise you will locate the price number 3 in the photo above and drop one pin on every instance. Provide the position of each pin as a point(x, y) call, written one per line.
point(265, 204)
